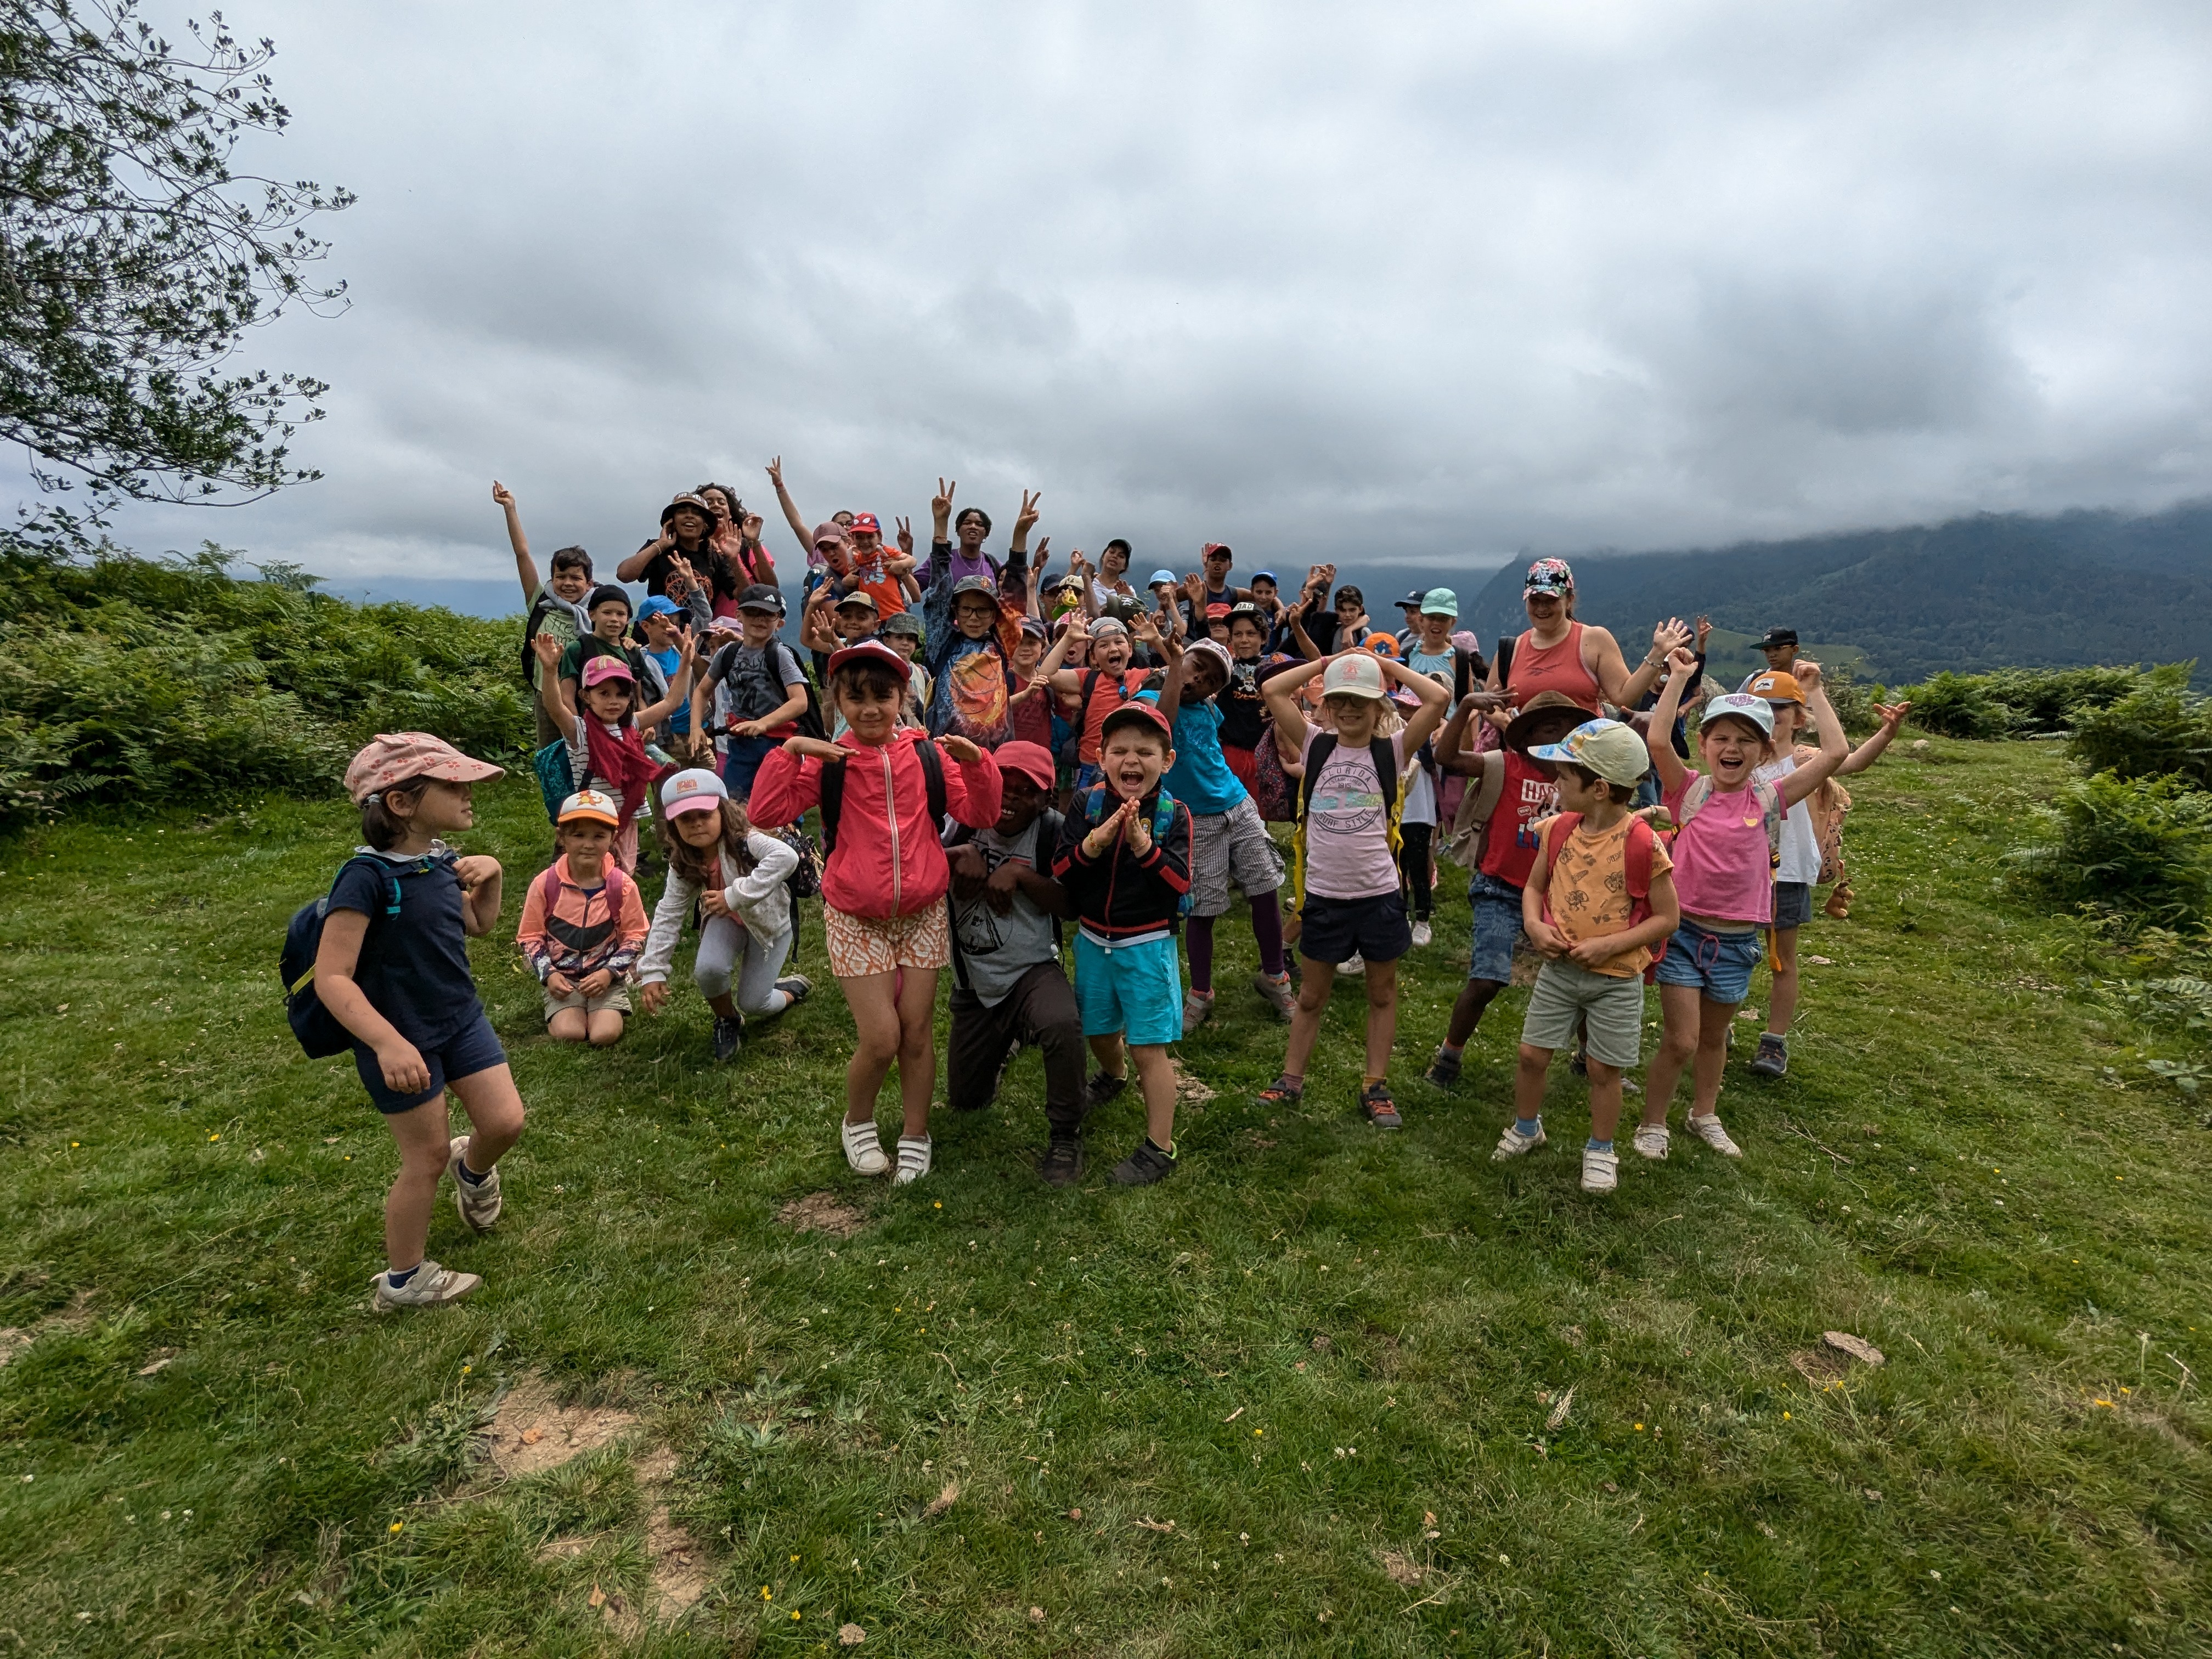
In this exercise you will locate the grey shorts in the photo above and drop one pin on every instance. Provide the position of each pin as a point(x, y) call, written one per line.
point(1496, 907)
point(1793, 904)
point(1567, 995)
point(1237, 841)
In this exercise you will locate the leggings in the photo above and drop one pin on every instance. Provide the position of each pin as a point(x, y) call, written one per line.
point(1413, 865)
point(723, 942)
point(1266, 932)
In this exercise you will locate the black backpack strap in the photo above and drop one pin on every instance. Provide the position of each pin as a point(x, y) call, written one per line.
point(932, 776)
point(1324, 745)
point(530, 629)
point(1083, 702)
point(833, 804)
point(1386, 772)
point(1504, 661)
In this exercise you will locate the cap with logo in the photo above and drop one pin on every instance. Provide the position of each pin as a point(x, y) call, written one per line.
point(1777, 685)
point(601, 669)
point(1775, 638)
point(761, 597)
point(1608, 747)
point(866, 522)
point(687, 502)
point(872, 651)
point(694, 789)
point(591, 806)
point(1744, 707)
point(1355, 677)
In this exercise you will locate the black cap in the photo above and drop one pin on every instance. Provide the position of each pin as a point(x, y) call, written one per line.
point(761, 597)
point(1777, 636)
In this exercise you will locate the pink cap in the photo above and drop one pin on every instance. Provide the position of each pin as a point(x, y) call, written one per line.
point(606, 668)
point(1033, 760)
point(872, 651)
point(395, 756)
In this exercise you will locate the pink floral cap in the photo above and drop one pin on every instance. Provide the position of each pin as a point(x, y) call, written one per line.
point(395, 756)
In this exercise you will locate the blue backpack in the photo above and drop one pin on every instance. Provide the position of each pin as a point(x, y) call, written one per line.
point(556, 781)
point(315, 1026)
point(1093, 807)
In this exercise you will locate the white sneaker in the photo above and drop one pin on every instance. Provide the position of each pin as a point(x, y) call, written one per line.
point(1708, 1129)
point(1651, 1140)
point(864, 1149)
point(1513, 1143)
point(478, 1201)
point(913, 1160)
point(1601, 1170)
point(432, 1287)
point(1196, 1011)
point(1354, 963)
point(1422, 934)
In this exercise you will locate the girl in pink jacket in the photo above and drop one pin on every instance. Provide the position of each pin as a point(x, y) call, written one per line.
point(884, 790)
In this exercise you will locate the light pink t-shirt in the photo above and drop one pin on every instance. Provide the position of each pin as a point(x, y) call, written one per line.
point(1347, 824)
point(1722, 869)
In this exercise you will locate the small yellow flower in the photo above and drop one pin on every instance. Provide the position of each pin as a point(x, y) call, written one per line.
point(795, 1558)
point(218, 1136)
point(1785, 1417)
point(1256, 1433)
point(795, 1617)
point(767, 1594)
point(395, 1526)
point(73, 1143)
point(1639, 1428)
point(939, 1205)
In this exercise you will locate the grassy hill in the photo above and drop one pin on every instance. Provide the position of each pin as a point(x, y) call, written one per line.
point(1324, 1391)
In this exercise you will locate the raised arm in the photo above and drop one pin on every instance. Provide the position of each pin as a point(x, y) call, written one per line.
point(1435, 702)
point(559, 703)
point(1017, 545)
point(1045, 678)
point(1657, 737)
point(798, 526)
point(526, 567)
point(679, 693)
point(1619, 686)
point(1281, 694)
point(1452, 754)
point(1892, 716)
point(1833, 745)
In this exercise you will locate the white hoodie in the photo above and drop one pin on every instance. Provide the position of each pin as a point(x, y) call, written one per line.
point(759, 901)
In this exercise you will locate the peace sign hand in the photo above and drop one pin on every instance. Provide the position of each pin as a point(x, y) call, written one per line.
point(1028, 515)
point(775, 471)
point(906, 537)
point(941, 505)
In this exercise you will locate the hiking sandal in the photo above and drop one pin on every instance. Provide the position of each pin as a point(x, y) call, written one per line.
point(1380, 1109)
point(1283, 1091)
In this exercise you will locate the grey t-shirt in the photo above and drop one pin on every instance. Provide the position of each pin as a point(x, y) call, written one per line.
point(998, 950)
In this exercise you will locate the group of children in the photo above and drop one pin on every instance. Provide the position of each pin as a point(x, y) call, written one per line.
point(949, 841)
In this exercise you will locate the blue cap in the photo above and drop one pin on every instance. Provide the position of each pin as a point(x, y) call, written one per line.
point(1167, 576)
point(1265, 575)
point(659, 605)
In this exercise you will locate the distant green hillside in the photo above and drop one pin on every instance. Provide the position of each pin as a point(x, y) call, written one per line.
point(1976, 594)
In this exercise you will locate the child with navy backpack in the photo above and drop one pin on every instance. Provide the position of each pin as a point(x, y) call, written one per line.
point(1598, 898)
point(1725, 850)
point(392, 968)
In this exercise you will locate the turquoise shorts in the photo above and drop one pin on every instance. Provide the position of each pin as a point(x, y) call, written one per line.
point(1134, 991)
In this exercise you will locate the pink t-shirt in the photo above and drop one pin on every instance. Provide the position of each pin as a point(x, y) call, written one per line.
point(1722, 869)
point(1348, 825)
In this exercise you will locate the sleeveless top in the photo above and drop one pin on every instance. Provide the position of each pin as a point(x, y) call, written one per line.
point(1552, 668)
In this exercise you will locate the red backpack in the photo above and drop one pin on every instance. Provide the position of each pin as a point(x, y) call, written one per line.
point(1636, 860)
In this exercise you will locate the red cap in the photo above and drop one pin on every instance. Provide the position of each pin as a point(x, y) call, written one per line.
point(1139, 708)
point(872, 651)
point(865, 521)
point(1217, 612)
point(1033, 760)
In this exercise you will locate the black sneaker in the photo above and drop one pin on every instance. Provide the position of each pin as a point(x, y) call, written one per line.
point(729, 1038)
point(797, 987)
point(1773, 1059)
point(1382, 1111)
point(1144, 1166)
point(1444, 1069)
point(1100, 1090)
point(1062, 1162)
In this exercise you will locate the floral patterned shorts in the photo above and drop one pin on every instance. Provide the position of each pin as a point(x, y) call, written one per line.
point(870, 945)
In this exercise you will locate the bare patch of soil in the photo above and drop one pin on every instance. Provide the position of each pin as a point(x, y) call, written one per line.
point(822, 1212)
point(533, 1432)
point(1399, 1569)
point(1818, 1366)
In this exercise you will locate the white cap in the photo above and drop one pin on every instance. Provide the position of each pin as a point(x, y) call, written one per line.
point(1354, 677)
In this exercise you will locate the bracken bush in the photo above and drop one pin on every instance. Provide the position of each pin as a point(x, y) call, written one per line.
point(2159, 729)
point(2019, 702)
point(2138, 846)
point(122, 677)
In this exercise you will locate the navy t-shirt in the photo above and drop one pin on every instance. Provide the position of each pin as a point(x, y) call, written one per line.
point(414, 967)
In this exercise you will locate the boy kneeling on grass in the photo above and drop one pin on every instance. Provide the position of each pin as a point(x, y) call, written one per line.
point(1124, 859)
point(1599, 896)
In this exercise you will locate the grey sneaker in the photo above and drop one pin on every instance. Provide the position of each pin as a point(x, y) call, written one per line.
point(1100, 1090)
point(1651, 1140)
point(1444, 1069)
point(1196, 1011)
point(797, 987)
point(431, 1286)
point(478, 1201)
point(729, 1038)
point(1062, 1162)
point(1277, 991)
point(1773, 1059)
point(1144, 1166)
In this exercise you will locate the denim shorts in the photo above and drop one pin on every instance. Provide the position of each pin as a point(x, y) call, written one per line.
point(1134, 991)
point(742, 761)
point(1496, 928)
point(471, 1050)
point(1717, 964)
point(1793, 904)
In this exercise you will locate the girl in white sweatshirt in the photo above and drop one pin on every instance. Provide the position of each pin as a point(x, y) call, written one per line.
point(736, 874)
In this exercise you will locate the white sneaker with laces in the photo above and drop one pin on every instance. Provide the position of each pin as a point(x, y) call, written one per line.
point(864, 1149)
point(1708, 1129)
point(431, 1286)
point(1601, 1170)
point(1651, 1140)
point(913, 1160)
point(1354, 963)
point(1513, 1143)
point(478, 1201)
point(1423, 933)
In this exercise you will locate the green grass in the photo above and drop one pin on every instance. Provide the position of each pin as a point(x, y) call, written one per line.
point(1310, 1339)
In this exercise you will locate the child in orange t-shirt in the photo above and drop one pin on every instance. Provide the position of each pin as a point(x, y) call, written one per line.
point(1597, 899)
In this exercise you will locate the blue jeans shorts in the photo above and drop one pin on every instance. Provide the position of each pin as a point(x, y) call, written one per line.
point(1496, 928)
point(741, 762)
point(1133, 990)
point(471, 1050)
point(1717, 964)
point(1793, 904)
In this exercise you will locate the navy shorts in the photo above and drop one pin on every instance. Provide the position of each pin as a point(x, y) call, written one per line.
point(1374, 928)
point(1497, 906)
point(1793, 904)
point(741, 761)
point(471, 1050)
point(1717, 964)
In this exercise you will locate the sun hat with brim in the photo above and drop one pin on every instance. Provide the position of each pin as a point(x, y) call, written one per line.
point(1531, 716)
point(1548, 576)
point(1743, 706)
point(1608, 747)
point(691, 501)
point(871, 651)
point(603, 668)
point(694, 789)
point(1776, 687)
point(903, 621)
point(1354, 677)
point(1138, 711)
point(1440, 601)
point(975, 585)
point(590, 807)
point(1033, 760)
point(395, 756)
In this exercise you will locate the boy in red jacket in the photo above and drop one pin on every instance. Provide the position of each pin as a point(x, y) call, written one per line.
point(882, 788)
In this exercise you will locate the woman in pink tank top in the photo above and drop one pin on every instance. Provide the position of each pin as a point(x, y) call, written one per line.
point(1580, 662)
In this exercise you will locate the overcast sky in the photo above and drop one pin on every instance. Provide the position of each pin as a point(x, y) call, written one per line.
point(1317, 281)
